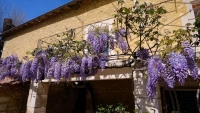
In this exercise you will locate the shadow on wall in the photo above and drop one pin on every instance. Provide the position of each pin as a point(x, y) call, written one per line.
point(64, 98)
point(13, 97)
point(141, 99)
point(112, 92)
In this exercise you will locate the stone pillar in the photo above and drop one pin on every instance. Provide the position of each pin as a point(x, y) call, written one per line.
point(141, 99)
point(37, 99)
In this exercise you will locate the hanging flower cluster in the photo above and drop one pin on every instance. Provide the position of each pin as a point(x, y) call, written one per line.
point(188, 52)
point(122, 44)
point(54, 63)
point(155, 68)
point(100, 41)
point(41, 67)
point(175, 68)
point(10, 67)
point(143, 54)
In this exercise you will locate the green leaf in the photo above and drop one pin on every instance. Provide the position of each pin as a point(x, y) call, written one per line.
point(120, 1)
point(28, 52)
point(188, 24)
point(126, 10)
point(151, 38)
point(151, 11)
point(155, 32)
point(136, 110)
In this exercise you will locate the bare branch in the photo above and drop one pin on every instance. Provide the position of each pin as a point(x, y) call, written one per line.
point(17, 15)
point(8, 11)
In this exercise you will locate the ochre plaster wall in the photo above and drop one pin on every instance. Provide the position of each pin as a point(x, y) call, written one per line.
point(90, 11)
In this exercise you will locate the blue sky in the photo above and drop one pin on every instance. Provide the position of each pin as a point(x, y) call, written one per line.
point(35, 8)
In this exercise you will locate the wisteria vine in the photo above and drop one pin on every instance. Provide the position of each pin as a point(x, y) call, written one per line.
point(174, 67)
point(53, 63)
point(68, 57)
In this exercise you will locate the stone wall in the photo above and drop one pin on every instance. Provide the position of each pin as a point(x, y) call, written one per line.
point(13, 98)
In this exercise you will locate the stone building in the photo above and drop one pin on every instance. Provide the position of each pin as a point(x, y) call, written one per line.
point(108, 87)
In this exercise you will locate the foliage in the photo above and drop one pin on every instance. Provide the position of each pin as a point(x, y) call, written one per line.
point(141, 21)
point(168, 56)
point(118, 108)
point(139, 111)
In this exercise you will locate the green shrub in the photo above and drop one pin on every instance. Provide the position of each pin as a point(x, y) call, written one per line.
point(119, 108)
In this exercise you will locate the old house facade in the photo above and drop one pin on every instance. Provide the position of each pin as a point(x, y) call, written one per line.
point(110, 86)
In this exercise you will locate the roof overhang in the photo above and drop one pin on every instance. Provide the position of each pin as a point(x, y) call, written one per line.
point(43, 17)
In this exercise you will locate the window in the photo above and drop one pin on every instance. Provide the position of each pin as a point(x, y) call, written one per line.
point(186, 99)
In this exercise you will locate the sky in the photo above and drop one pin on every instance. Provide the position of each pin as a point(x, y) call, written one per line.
point(35, 8)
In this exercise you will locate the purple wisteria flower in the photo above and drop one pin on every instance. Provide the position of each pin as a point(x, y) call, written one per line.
point(102, 60)
point(84, 67)
point(169, 77)
point(9, 67)
point(122, 32)
point(188, 52)
point(4, 73)
point(14, 59)
point(101, 41)
point(155, 69)
point(112, 43)
point(51, 69)
point(76, 58)
point(192, 67)
point(57, 71)
point(179, 67)
point(122, 44)
point(40, 73)
point(76, 68)
point(95, 61)
point(98, 41)
point(76, 64)
point(67, 69)
point(13, 71)
point(26, 72)
point(46, 62)
point(143, 54)
point(34, 65)
point(90, 63)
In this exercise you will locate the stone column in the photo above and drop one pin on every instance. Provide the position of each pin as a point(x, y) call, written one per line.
point(37, 99)
point(141, 99)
